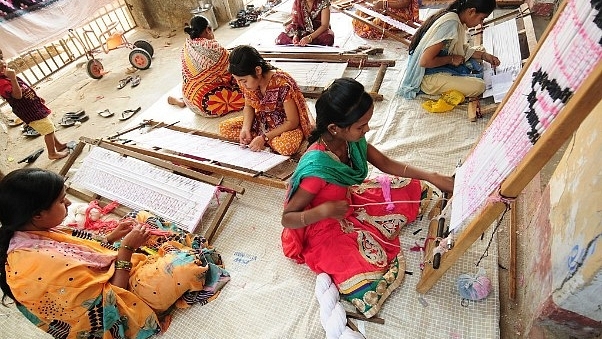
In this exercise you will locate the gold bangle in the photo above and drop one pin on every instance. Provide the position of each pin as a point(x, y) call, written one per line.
point(129, 248)
point(310, 38)
point(123, 265)
point(404, 171)
point(303, 218)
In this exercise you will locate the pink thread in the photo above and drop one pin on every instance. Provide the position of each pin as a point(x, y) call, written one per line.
point(385, 184)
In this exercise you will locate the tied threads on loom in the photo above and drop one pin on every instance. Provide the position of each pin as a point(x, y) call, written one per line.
point(474, 286)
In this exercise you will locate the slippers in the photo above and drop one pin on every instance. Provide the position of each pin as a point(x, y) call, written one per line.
point(124, 82)
point(75, 115)
point(71, 145)
point(32, 157)
point(135, 80)
point(14, 122)
point(106, 113)
point(28, 131)
point(67, 122)
point(128, 113)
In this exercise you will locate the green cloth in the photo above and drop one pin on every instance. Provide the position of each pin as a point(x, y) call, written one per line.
point(315, 163)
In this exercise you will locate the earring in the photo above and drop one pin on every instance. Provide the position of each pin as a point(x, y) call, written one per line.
point(335, 133)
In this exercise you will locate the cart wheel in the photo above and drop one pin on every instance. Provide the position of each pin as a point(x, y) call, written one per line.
point(95, 69)
point(145, 45)
point(140, 58)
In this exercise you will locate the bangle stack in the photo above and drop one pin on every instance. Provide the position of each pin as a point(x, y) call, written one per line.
point(123, 265)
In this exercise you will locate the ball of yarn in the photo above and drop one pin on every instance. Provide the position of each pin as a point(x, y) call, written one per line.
point(474, 286)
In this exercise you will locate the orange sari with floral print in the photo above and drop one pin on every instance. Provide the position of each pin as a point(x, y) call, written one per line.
point(407, 14)
point(208, 88)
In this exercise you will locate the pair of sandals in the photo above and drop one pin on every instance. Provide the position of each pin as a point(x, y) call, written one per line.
point(128, 113)
point(35, 155)
point(135, 80)
point(70, 118)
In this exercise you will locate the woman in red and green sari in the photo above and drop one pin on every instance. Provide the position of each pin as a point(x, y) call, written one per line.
point(208, 89)
point(338, 222)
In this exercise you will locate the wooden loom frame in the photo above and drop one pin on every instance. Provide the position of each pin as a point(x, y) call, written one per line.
point(229, 190)
point(275, 177)
point(345, 7)
point(352, 59)
point(583, 101)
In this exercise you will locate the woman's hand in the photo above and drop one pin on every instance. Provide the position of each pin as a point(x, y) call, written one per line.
point(306, 40)
point(123, 228)
point(137, 236)
point(257, 144)
point(491, 59)
point(334, 209)
point(457, 60)
point(443, 182)
point(245, 137)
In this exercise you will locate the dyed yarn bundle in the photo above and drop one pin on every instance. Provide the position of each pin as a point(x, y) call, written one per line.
point(332, 313)
point(474, 286)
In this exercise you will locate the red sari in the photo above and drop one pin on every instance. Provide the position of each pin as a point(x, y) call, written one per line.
point(361, 253)
point(305, 21)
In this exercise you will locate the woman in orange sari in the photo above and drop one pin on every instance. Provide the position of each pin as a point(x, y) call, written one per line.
point(74, 285)
point(208, 88)
point(275, 114)
point(399, 10)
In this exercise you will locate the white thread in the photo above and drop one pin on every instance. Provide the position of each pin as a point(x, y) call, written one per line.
point(332, 313)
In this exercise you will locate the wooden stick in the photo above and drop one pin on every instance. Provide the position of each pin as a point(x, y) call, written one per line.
point(512, 268)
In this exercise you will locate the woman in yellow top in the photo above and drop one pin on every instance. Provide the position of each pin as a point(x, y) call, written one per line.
point(208, 88)
point(73, 285)
point(275, 114)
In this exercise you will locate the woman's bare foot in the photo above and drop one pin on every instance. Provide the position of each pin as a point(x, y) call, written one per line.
point(176, 102)
point(58, 155)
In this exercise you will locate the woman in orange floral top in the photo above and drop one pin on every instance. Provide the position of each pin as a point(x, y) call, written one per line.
point(275, 113)
point(400, 10)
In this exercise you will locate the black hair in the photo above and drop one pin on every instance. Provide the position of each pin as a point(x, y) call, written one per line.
point(243, 60)
point(342, 103)
point(481, 6)
point(24, 193)
point(198, 24)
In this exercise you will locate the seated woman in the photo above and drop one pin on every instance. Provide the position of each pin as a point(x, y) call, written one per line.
point(72, 286)
point(440, 59)
point(400, 10)
point(310, 25)
point(358, 247)
point(208, 89)
point(275, 113)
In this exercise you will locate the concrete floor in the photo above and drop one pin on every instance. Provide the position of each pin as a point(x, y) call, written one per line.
point(72, 88)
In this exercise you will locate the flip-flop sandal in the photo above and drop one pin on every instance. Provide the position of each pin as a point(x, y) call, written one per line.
point(76, 114)
point(82, 118)
point(14, 122)
point(67, 122)
point(128, 113)
point(124, 82)
point(106, 113)
point(32, 157)
point(71, 145)
point(135, 80)
point(28, 131)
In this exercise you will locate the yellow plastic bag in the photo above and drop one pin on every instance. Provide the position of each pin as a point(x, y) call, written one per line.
point(439, 106)
point(446, 102)
point(453, 97)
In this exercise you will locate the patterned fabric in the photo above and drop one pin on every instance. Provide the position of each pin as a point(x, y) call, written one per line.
point(62, 282)
point(269, 114)
point(305, 21)
point(408, 14)
point(361, 252)
point(208, 89)
point(30, 107)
